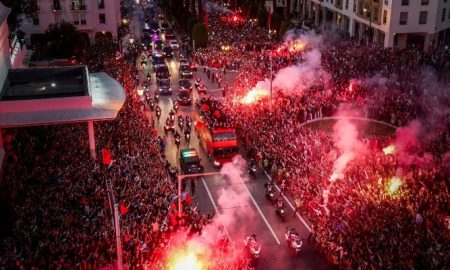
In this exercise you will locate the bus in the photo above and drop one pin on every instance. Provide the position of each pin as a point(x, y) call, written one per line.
point(216, 137)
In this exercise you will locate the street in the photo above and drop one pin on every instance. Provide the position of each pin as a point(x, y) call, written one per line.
point(261, 219)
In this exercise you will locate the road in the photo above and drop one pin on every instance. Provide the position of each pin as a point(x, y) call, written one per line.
point(261, 218)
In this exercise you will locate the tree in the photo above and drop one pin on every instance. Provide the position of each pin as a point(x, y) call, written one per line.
point(262, 17)
point(64, 41)
point(28, 7)
point(200, 35)
point(276, 22)
point(285, 26)
point(191, 23)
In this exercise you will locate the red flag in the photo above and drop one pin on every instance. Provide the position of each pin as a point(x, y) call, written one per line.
point(123, 209)
point(106, 156)
point(173, 207)
point(173, 219)
point(217, 114)
point(188, 199)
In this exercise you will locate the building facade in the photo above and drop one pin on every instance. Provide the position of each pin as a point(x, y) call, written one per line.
point(93, 17)
point(5, 62)
point(389, 23)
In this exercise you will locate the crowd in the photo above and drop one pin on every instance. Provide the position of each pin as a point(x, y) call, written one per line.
point(358, 221)
point(63, 218)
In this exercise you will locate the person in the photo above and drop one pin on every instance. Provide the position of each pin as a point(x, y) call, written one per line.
point(225, 89)
point(280, 203)
point(292, 234)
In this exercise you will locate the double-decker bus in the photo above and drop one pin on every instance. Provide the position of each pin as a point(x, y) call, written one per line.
point(215, 135)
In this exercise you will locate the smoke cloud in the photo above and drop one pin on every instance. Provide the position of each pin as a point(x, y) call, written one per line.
point(346, 139)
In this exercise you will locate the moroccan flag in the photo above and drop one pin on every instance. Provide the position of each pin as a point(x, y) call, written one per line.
point(173, 219)
point(217, 114)
point(188, 199)
point(106, 156)
point(123, 209)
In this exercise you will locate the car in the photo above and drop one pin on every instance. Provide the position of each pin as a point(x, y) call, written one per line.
point(190, 161)
point(185, 84)
point(159, 44)
point(174, 44)
point(162, 72)
point(184, 97)
point(185, 71)
point(168, 51)
point(164, 87)
point(158, 59)
point(169, 34)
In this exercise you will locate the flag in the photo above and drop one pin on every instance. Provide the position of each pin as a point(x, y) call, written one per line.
point(188, 199)
point(173, 219)
point(123, 209)
point(106, 156)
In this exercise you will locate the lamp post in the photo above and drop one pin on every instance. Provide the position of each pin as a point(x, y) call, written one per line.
point(183, 176)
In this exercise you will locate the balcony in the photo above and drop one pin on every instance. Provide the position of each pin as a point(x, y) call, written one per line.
point(79, 7)
point(56, 8)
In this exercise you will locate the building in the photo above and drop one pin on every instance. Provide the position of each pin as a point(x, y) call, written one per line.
point(52, 96)
point(389, 23)
point(93, 17)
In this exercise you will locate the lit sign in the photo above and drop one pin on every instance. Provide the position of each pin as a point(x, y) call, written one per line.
point(189, 153)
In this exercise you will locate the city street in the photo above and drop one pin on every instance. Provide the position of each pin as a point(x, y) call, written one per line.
point(262, 219)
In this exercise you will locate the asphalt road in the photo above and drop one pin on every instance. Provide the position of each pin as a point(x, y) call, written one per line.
point(252, 214)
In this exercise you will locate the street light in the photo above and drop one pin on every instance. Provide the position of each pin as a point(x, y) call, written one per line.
point(183, 176)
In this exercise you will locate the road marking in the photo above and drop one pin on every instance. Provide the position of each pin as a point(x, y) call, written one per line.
point(260, 212)
point(290, 204)
point(214, 204)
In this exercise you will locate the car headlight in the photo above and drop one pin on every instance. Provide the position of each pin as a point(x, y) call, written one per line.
point(216, 163)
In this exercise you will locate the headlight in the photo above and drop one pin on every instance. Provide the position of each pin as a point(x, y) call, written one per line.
point(216, 163)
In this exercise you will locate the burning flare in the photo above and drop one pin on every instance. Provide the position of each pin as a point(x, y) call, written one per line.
point(260, 91)
point(394, 184)
point(187, 262)
point(389, 150)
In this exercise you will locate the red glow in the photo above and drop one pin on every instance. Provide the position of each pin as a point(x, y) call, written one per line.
point(235, 18)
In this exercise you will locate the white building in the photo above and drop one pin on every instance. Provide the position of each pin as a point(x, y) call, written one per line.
point(93, 17)
point(391, 23)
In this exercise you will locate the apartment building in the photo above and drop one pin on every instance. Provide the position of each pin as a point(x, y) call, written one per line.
point(389, 23)
point(92, 17)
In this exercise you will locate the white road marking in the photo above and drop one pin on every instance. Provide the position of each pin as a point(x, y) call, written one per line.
point(290, 204)
point(214, 204)
point(260, 212)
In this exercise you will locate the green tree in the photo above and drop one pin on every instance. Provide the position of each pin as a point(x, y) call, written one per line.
point(64, 41)
point(28, 7)
point(191, 23)
point(285, 26)
point(276, 22)
point(262, 17)
point(200, 35)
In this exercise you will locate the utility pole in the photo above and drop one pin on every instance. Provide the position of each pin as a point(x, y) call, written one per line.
point(118, 241)
point(271, 76)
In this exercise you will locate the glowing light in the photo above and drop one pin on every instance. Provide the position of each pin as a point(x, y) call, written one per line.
point(394, 184)
point(188, 262)
point(254, 95)
point(234, 18)
point(350, 87)
point(389, 150)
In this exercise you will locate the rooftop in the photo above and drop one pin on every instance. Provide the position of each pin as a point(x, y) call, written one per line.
point(39, 83)
point(43, 96)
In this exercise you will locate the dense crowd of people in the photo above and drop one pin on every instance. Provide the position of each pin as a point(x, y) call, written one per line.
point(59, 195)
point(359, 221)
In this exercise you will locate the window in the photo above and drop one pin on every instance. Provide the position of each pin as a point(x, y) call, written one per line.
point(403, 18)
point(75, 20)
point(101, 4)
point(102, 18)
point(423, 17)
point(384, 16)
point(346, 4)
point(36, 21)
point(83, 19)
point(405, 2)
point(424, 2)
point(443, 14)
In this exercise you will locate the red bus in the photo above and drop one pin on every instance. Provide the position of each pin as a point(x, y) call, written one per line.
point(216, 137)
